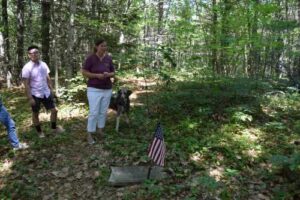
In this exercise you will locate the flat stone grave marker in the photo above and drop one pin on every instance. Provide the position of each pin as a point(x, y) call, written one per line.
point(122, 176)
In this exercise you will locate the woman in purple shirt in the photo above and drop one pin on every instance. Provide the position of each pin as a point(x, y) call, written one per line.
point(99, 69)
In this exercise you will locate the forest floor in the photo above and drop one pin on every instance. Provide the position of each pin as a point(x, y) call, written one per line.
point(226, 139)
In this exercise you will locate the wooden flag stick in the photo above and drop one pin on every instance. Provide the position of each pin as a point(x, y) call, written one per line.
point(149, 170)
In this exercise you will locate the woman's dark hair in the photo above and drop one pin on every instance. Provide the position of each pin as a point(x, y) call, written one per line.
point(97, 42)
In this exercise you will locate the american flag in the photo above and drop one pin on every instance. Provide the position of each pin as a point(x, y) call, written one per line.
point(157, 148)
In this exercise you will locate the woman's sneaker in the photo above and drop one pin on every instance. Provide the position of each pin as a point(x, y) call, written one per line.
point(21, 146)
point(90, 139)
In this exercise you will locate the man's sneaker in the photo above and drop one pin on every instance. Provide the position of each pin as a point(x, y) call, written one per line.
point(59, 129)
point(41, 135)
point(90, 139)
point(21, 146)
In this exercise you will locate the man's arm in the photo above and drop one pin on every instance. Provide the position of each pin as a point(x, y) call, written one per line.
point(28, 91)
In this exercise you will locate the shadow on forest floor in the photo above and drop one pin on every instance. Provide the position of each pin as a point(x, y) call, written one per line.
point(221, 137)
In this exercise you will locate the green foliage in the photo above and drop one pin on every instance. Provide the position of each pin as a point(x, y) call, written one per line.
point(225, 139)
point(165, 78)
point(297, 126)
point(75, 91)
point(276, 126)
point(153, 188)
point(291, 162)
point(168, 55)
point(242, 117)
point(104, 175)
point(209, 183)
point(204, 183)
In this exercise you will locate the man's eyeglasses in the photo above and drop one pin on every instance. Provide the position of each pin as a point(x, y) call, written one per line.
point(36, 52)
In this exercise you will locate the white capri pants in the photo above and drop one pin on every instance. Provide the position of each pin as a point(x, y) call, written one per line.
point(98, 104)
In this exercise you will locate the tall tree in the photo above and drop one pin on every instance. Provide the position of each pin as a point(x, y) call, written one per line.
point(225, 36)
point(298, 60)
point(214, 56)
point(30, 32)
point(71, 66)
point(5, 33)
point(46, 19)
point(160, 15)
point(253, 58)
point(20, 37)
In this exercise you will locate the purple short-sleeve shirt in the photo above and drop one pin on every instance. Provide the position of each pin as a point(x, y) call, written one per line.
point(93, 64)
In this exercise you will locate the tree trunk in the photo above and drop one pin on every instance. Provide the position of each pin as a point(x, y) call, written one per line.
point(20, 39)
point(224, 37)
point(214, 49)
point(72, 64)
point(160, 16)
point(30, 22)
point(253, 61)
point(93, 9)
point(46, 18)
point(5, 34)
point(298, 63)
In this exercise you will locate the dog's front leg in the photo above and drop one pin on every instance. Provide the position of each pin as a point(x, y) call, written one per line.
point(127, 119)
point(119, 112)
point(117, 123)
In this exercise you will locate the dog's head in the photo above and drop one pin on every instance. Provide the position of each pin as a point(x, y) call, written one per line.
point(123, 96)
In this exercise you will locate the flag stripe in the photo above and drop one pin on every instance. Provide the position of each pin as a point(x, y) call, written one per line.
point(154, 146)
point(157, 148)
point(159, 152)
point(162, 155)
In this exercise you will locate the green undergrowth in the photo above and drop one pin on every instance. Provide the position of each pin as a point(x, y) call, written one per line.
point(226, 138)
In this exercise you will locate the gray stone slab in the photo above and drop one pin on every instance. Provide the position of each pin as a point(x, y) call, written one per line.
point(121, 176)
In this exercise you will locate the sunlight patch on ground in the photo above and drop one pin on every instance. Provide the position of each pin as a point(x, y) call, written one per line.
point(137, 104)
point(17, 99)
point(217, 173)
point(268, 111)
point(135, 94)
point(250, 136)
point(25, 124)
point(253, 153)
point(251, 133)
point(72, 112)
point(5, 168)
point(65, 113)
point(197, 157)
point(44, 116)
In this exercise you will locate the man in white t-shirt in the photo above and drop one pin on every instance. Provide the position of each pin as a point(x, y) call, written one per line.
point(39, 90)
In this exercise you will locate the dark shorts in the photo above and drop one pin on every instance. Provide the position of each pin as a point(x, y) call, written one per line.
point(47, 102)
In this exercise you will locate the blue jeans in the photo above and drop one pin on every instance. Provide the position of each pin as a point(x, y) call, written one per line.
point(7, 121)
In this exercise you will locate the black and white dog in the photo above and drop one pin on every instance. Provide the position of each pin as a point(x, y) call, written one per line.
point(120, 102)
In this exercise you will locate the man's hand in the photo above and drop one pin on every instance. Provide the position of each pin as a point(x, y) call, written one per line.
point(32, 101)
